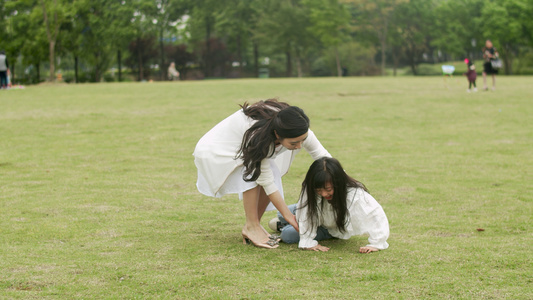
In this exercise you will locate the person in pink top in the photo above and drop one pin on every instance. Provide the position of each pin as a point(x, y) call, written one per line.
point(471, 75)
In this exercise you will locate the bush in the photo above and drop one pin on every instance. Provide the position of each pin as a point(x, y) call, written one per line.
point(108, 77)
point(356, 58)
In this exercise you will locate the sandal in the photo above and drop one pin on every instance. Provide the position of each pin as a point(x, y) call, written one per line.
point(270, 244)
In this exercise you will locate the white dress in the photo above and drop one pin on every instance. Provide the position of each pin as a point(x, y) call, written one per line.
point(221, 173)
point(366, 216)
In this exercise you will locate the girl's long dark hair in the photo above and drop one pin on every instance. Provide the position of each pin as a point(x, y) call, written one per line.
point(322, 171)
point(258, 141)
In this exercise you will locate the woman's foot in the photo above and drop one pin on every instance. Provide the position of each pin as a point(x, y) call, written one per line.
point(259, 238)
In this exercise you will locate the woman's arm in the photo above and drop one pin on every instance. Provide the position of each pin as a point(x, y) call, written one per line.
point(266, 180)
point(313, 146)
point(280, 204)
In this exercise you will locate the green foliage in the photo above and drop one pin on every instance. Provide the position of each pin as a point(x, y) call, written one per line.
point(99, 199)
point(304, 33)
point(356, 58)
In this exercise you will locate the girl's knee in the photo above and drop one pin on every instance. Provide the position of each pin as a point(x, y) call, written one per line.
point(289, 235)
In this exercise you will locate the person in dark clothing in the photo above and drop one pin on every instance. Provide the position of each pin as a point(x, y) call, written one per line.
point(4, 69)
point(489, 54)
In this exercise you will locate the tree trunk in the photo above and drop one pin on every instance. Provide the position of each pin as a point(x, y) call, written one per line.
point(52, 36)
point(140, 60)
point(507, 60)
point(383, 41)
point(413, 68)
point(76, 69)
point(239, 55)
point(395, 60)
point(97, 67)
point(38, 67)
point(289, 62)
point(256, 59)
point(162, 70)
point(51, 48)
point(12, 71)
point(207, 59)
point(119, 59)
point(338, 60)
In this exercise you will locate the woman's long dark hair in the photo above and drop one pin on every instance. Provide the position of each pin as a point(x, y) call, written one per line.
point(322, 171)
point(258, 141)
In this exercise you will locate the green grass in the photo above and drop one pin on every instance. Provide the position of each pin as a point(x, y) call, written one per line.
point(98, 196)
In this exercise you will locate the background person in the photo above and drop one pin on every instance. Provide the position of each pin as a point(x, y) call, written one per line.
point(334, 205)
point(173, 74)
point(471, 75)
point(4, 69)
point(247, 153)
point(489, 54)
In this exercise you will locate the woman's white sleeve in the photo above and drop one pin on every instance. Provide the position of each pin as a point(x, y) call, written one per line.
point(307, 233)
point(367, 216)
point(266, 178)
point(313, 146)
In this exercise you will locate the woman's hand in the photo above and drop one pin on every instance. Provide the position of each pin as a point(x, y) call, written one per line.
point(293, 222)
point(318, 247)
point(368, 249)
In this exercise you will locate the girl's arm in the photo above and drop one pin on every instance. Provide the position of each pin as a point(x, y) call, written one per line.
point(367, 216)
point(307, 233)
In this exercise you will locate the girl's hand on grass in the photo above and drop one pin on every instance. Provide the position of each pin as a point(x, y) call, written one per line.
point(318, 248)
point(368, 249)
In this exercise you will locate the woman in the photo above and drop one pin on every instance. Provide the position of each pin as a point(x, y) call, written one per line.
point(334, 205)
point(247, 153)
point(489, 54)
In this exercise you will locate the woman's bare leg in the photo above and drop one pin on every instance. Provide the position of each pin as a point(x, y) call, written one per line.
point(263, 203)
point(251, 202)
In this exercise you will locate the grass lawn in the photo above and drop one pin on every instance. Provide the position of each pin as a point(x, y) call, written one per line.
point(98, 196)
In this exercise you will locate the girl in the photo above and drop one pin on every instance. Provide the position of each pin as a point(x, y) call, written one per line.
point(247, 153)
point(471, 75)
point(332, 204)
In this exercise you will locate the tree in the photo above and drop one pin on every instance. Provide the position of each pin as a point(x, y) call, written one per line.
point(54, 13)
point(505, 27)
point(236, 23)
point(328, 22)
point(202, 25)
point(412, 21)
point(377, 16)
point(282, 28)
point(455, 30)
point(164, 14)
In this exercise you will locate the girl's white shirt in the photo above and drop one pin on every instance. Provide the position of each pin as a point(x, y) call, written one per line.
point(366, 216)
point(215, 153)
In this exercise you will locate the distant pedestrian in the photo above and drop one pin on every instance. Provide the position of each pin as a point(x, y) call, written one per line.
point(471, 75)
point(173, 74)
point(490, 54)
point(4, 69)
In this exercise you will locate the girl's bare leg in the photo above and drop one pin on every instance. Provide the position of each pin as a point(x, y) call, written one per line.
point(484, 80)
